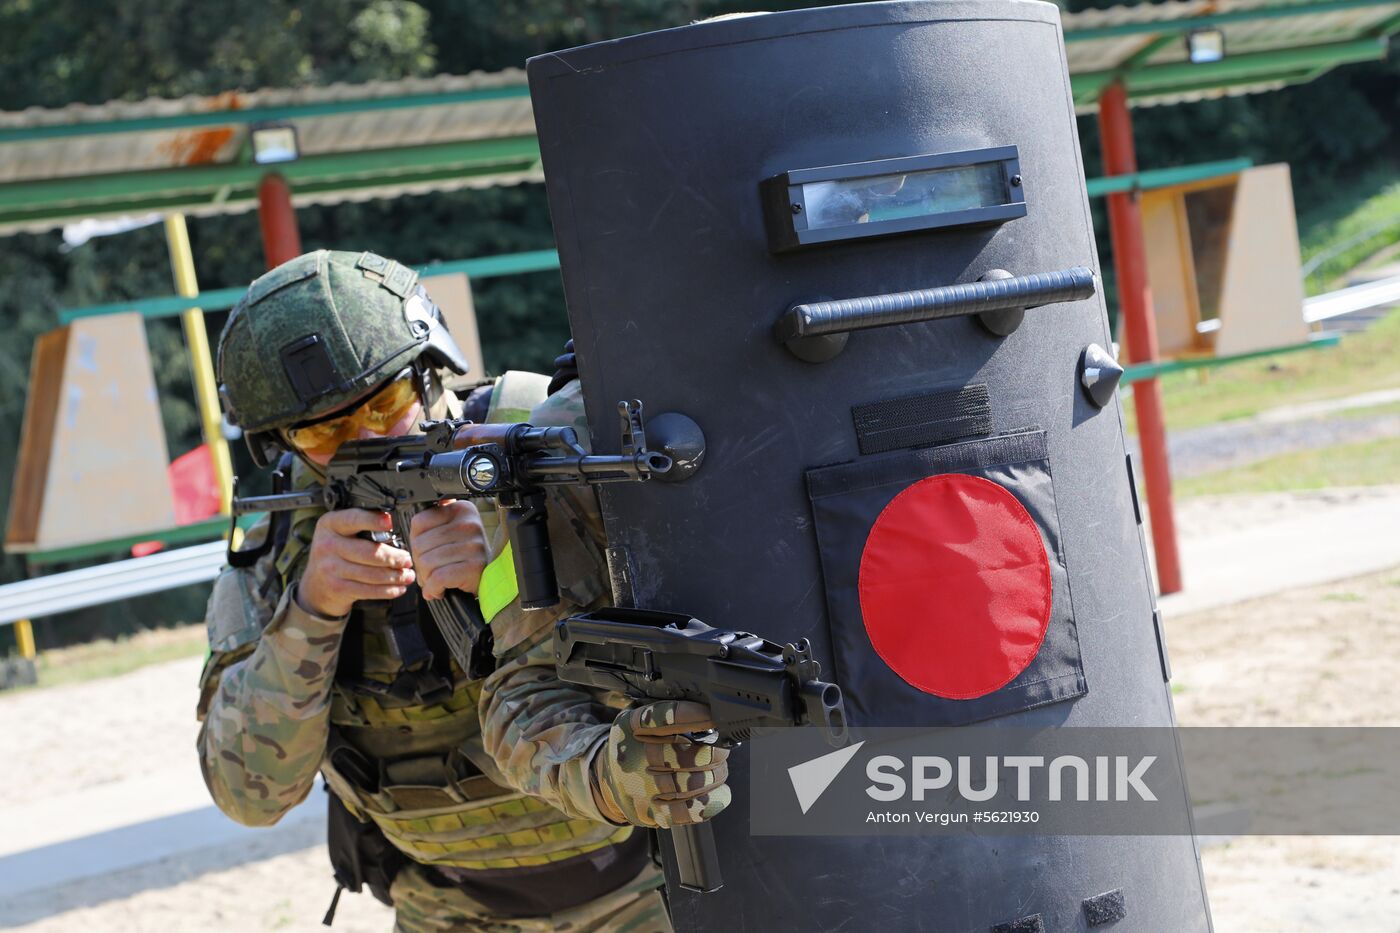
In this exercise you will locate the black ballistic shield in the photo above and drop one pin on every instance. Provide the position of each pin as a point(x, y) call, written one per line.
point(854, 245)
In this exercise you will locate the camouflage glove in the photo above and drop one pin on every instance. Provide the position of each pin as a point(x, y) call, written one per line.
point(649, 774)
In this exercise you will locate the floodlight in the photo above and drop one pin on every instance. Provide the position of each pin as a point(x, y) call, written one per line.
point(1205, 45)
point(274, 142)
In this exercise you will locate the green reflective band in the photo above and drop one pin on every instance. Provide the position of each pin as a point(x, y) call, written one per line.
point(498, 586)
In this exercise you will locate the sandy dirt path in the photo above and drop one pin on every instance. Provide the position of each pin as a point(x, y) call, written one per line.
point(1320, 656)
point(60, 742)
point(1324, 655)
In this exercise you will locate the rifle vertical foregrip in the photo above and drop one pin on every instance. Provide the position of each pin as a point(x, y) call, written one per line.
point(697, 857)
point(528, 527)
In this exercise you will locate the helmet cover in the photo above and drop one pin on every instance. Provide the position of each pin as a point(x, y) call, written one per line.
point(319, 332)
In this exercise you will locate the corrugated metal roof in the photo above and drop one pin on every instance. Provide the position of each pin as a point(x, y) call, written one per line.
point(150, 147)
point(389, 138)
point(124, 138)
point(1154, 33)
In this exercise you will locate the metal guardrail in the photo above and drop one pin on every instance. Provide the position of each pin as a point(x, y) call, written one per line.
point(1357, 298)
point(107, 583)
point(1315, 263)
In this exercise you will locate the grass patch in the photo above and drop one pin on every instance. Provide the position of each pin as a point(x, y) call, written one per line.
point(109, 658)
point(1356, 227)
point(1362, 362)
point(1368, 463)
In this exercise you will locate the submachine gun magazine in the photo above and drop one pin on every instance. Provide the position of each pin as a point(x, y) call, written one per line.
point(455, 459)
point(748, 682)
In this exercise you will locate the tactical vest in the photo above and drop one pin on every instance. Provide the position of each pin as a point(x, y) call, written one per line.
point(405, 748)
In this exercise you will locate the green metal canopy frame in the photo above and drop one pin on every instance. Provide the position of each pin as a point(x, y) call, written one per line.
point(417, 135)
point(179, 189)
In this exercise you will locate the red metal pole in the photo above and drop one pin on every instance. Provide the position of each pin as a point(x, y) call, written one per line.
point(278, 218)
point(1138, 324)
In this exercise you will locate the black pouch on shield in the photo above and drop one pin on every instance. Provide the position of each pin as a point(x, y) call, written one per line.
point(947, 595)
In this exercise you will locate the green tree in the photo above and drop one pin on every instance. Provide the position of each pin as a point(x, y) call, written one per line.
point(57, 52)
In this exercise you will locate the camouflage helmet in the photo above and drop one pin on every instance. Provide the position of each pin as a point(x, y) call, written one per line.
point(319, 332)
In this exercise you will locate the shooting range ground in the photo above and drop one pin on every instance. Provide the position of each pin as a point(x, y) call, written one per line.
point(1295, 658)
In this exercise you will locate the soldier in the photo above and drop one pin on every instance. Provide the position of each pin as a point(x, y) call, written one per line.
point(323, 656)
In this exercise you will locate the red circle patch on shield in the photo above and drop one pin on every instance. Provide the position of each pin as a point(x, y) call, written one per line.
point(955, 586)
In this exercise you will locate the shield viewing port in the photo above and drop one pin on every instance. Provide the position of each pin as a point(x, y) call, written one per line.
point(811, 206)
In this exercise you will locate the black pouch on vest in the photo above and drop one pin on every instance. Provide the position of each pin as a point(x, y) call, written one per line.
point(544, 890)
point(947, 595)
point(360, 854)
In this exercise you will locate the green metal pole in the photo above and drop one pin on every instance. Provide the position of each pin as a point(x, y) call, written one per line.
point(1165, 177)
point(485, 267)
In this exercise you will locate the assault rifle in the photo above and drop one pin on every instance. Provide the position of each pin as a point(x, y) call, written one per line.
point(452, 459)
point(748, 682)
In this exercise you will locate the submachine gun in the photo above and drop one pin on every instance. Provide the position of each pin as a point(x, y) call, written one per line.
point(748, 682)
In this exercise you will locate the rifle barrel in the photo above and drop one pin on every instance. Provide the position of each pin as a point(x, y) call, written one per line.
point(600, 468)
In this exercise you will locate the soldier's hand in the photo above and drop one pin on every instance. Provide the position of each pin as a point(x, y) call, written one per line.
point(650, 774)
point(343, 568)
point(449, 547)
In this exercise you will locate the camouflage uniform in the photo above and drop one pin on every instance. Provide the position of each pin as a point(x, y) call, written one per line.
point(518, 789)
point(278, 704)
point(272, 706)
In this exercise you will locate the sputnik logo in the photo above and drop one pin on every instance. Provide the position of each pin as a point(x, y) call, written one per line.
point(811, 778)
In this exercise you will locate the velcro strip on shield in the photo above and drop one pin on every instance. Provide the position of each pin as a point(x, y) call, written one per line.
point(920, 420)
point(498, 585)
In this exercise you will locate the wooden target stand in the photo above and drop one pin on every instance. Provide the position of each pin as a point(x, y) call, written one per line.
point(92, 458)
point(1224, 264)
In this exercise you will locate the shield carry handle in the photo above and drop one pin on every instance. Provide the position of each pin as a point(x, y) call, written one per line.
point(817, 331)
